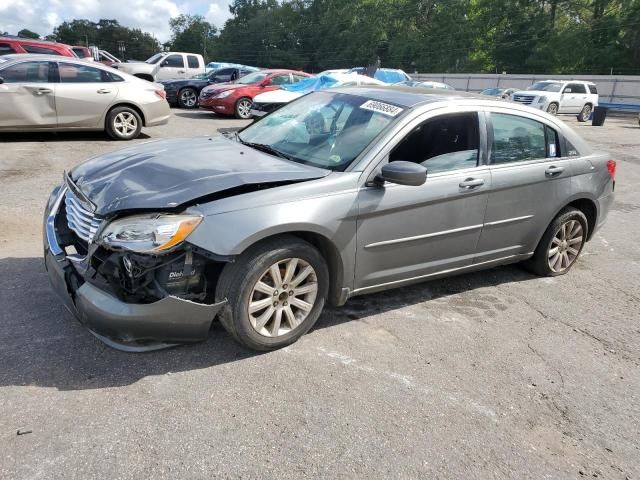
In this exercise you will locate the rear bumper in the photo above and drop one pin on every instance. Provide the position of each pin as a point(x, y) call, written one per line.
point(156, 113)
point(124, 326)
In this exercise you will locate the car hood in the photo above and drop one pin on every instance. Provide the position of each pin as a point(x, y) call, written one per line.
point(168, 174)
point(222, 87)
point(183, 81)
point(277, 96)
point(533, 92)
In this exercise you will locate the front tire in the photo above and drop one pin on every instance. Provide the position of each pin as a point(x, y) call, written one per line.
point(243, 108)
point(187, 98)
point(552, 108)
point(561, 244)
point(275, 293)
point(585, 113)
point(123, 123)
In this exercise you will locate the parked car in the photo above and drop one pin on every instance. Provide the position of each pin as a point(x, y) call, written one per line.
point(184, 93)
point(386, 75)
point(106, 58)
point(268, 102)
point(426, 84)
point(84, 53)
point(164, 66)
point(504, 93)
point(236, 98)
point(47, 92)
point(10, 45)
point(342, 192)
point(561, 97)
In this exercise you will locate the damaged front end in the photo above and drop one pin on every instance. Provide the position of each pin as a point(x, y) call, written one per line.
point(131, 300)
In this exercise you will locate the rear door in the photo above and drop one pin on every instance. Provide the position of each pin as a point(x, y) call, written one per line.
point(529, 183)
point(574, 96)
point(193, 66)
point(173, 66)
point(27, 96)
point(83, 95)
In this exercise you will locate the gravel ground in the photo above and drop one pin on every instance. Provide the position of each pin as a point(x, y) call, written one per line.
point(497, 374)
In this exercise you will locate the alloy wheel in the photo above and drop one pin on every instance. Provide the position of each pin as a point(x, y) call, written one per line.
point(565, 246)
point(586, 112)
point(552, 109)
point(125, 124)
point(188, 98)
point(244, 108)
point(283, 297)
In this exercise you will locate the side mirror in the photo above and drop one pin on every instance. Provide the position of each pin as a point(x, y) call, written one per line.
point(1, 80)
point(403, 173)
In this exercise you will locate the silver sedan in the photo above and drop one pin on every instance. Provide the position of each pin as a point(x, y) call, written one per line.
point(47, 92)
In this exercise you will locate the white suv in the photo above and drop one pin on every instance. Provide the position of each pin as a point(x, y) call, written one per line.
point(560, 97)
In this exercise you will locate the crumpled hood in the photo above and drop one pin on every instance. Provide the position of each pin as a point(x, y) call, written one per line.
point(166, 174)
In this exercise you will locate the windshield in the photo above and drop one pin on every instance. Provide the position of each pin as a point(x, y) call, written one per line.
point(492, 91)
point(323, 129)
point(252, 78)
point(155, 59)
point(546, 86)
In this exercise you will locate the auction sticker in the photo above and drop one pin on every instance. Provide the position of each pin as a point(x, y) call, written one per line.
point(380, 107)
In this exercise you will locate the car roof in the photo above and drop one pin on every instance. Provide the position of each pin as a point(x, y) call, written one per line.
point(10, 38)
point(43, 56)
point(405, 96)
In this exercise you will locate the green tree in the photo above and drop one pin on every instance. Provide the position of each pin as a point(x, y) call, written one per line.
point(192, 33)
point(26, 33)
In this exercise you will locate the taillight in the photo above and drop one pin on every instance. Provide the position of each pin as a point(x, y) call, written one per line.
point(161, 93)
point(611, 168)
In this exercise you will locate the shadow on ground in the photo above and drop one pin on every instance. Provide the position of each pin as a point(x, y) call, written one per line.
point(42, 344)
point(61, 137)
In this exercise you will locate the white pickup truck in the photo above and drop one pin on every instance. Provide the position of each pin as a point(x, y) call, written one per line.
point(165, 66)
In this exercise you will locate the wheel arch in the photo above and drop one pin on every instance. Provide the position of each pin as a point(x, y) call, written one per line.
point(126, 104)
point(590, 210)
point(327, 249)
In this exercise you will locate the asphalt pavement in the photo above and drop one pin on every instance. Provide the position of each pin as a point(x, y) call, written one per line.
point(495, 374)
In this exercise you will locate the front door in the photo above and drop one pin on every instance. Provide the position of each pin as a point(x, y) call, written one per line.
point(27, 96)
point(529, 177)
point(83, 95)
point(171, 67)
point(407, 232)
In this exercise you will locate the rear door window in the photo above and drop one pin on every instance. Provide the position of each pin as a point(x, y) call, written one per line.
point(192, 61)
point(72, 73)
point(517, 139)
point(43, 50)
point(26, 72)
point(6, 49)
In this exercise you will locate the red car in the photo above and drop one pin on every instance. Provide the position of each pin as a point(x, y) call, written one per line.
point(27, 45)
point(236, 98)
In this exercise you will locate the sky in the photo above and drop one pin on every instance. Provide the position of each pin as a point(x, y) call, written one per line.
point(42, 16)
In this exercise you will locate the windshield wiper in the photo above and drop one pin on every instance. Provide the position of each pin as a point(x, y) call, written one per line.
point(263, 147)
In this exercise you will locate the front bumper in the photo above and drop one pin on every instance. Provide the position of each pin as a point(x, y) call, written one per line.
point(217, 105)
point(124, 326)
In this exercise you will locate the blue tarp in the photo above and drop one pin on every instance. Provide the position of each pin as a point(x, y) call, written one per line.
point(311, 84)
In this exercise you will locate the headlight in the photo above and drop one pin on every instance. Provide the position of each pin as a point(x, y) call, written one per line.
point(542, 99)
point(224, 94)
point(150, 233)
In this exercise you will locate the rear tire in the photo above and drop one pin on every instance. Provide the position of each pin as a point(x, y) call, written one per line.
point(270, 304)
point(585, 113)
point(561, 244)
point(243, 108)
point(188, 98)
point(123, 123)
point(552, 108)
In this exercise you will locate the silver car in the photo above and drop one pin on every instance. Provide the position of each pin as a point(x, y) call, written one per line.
point(48, 92)
point(339, 193)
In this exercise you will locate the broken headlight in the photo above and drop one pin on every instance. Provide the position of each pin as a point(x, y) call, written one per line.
point(150, 233)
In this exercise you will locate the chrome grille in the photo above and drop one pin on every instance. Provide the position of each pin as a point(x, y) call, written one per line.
point(79, 219)
point(526, 99)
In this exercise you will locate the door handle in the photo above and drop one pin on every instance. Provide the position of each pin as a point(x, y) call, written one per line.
point(104, 90)
point(43, 91)
point(552, 171)
point(470, 183)
point(180, 71)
